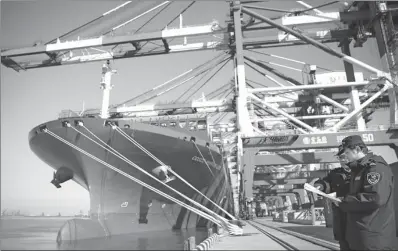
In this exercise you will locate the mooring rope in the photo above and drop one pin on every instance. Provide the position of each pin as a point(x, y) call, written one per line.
point(232, 228)
point(132, 140)
point(197, 148)
point(198, 212)
point(116, 153)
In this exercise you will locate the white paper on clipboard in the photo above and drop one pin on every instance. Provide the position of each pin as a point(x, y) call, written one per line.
point(331, 196)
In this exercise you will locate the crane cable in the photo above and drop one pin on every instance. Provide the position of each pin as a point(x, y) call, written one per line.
point(147, 22)
point(288, 59)
point(204, 75)
point(213, 94)
point(136, 17)
point(179, 84)
point(182, 12)
point(295, 12)
point(222, 93)
point(86, 24)
point(154, 16)
point(90, 22)
point(207, 81)
point(194, 83)
point(169, 81)
point(175, 19)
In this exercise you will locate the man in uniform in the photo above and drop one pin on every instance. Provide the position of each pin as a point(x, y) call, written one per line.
point(369, 204)
point(338, 181)
point(263, 207)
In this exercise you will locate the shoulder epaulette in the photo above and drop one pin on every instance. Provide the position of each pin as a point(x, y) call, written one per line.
point(374, 163)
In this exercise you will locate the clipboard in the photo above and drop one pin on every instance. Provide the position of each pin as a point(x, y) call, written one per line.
point(331, 196)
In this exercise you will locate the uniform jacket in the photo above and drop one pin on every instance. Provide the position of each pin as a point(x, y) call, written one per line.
point(370, 206)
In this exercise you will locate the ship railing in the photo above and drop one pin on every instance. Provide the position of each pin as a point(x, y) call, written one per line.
point(74, 114)
point(69, 114)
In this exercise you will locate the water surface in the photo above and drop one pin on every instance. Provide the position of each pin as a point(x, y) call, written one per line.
point(40, 233)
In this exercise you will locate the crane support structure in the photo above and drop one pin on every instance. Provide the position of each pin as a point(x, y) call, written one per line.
point(313, 114)
point(274, 149)
point(319, 140)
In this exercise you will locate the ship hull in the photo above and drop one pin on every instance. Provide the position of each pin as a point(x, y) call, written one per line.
point(119, 205)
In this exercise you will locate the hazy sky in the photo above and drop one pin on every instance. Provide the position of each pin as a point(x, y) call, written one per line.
point(36, 96)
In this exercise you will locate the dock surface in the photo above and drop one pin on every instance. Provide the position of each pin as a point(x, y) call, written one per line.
point(258, 236)
point(320, 232)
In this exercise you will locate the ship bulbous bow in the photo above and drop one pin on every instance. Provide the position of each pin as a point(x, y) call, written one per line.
point(79, 229)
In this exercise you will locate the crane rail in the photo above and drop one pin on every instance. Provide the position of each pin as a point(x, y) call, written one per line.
point(265, 229)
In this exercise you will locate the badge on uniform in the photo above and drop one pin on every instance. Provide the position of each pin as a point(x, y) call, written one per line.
point(373, 178)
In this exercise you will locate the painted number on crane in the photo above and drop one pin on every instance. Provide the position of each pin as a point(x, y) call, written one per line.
point(366, 137)
point(315, 140)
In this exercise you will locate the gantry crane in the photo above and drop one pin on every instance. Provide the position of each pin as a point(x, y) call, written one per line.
point(249, 144)
point(370, 19)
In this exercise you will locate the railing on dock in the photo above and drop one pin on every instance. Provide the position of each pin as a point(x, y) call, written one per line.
point(301, 217)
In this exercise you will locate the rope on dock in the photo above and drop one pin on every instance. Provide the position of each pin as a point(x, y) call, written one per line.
point(234, 229)
point(206, 244)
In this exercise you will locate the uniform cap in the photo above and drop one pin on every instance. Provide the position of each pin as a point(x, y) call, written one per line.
point(354, 140)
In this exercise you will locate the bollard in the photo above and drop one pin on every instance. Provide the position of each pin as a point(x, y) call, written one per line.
point(190, 244)
point(208, 243)
point(219, 230)
point(209, 232)
point(313, 213)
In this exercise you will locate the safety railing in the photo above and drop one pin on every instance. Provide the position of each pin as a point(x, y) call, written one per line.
point(300, 217)
point(68, 114)
point(307, 214)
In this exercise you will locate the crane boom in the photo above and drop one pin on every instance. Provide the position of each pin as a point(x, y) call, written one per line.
point(204, 37)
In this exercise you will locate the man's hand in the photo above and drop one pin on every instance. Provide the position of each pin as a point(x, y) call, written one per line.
point(333, 201)
point(336, 202)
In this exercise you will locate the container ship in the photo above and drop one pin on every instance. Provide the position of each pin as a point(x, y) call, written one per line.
point(118, 205)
